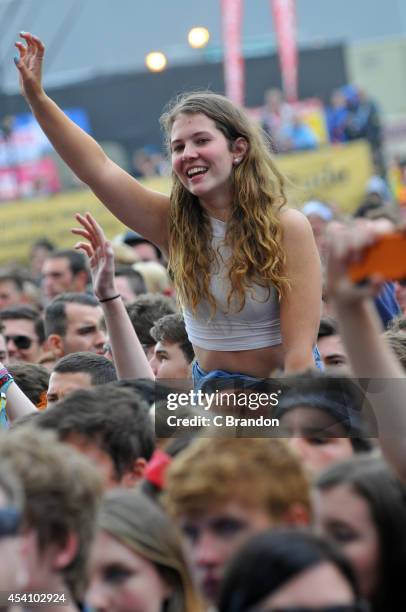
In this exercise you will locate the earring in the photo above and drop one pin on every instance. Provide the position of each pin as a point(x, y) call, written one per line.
point(236, 161)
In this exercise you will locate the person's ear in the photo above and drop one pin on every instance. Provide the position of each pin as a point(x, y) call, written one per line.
point(239, 150)
point(54, 343)
point(135, 474)
point(65, 555)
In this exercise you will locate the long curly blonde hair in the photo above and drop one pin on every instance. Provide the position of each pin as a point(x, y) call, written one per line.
point(254, 230)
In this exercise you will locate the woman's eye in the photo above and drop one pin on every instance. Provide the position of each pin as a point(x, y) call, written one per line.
point(318, 441)
point(116, 574)
point(343, 535)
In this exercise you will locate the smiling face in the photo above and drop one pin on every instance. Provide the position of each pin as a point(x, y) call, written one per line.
point(203, 159)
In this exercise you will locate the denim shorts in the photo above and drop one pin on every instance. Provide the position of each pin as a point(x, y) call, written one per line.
point(201, 378)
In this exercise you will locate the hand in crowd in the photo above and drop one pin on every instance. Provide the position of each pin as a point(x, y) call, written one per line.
point(346, 244)
point(29, 65)
point(100, 254)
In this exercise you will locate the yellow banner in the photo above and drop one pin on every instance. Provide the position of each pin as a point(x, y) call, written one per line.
point(24, 221)
point(333, 173)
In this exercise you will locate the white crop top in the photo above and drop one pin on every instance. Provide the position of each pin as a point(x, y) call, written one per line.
point(257, 325)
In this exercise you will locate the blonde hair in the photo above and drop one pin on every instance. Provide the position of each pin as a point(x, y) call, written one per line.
point(155, 276)
point(396, 340)
point(256, 472)
point(137, 522)
point(254, 230)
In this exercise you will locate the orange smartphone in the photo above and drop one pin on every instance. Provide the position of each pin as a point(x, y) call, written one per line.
point(386, 257)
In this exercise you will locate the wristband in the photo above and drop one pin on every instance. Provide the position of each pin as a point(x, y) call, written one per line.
point(114, 297)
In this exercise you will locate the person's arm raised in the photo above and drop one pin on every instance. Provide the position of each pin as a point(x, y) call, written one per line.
point(129, 357)
point(17, 403)
point(361, 329)
point(140, 208)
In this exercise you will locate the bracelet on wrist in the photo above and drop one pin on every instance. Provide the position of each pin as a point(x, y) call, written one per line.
point(113, 297)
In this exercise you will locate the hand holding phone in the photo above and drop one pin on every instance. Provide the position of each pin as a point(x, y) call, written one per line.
point(386, 258)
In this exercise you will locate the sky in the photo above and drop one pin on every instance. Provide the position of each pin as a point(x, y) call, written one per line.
point(85, 38)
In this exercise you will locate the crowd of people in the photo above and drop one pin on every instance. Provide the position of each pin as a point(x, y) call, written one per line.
point(351, 115)
point(218, 291)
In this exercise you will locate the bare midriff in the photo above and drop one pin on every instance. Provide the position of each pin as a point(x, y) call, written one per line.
point(254, 362)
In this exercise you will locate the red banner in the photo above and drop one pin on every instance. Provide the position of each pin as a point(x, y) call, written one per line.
point(29, 179)
point(232, 12)
point(284, 15)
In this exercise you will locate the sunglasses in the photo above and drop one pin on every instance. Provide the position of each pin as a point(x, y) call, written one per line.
point(10, 520)
point(21, 342)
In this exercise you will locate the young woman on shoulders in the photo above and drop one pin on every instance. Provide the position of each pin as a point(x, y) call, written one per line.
point(245, 267)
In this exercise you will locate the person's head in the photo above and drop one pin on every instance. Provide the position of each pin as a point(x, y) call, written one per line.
point(3, 346)
point(273, 99)
point(24, 333)
point(11, 289)
point(64, 271)
point(144, 312)
point(11, 508)
point(220, 160)
point(361, 505)
point(397, 342)
point(331, 348)
point(129, 283)
point(40, 250)
point(156, 277)
point(62, 492)
point(221, 491)
point(401, 297)
point(173, 352)
point(322, 419)
point(74, 323)
point(398, 324)
point(33, 380)
point(143, 248)
point(319, 215)
point(78, 371)
point(137, 564)
point(287, 570)
point(108, 424)
point(337, 99)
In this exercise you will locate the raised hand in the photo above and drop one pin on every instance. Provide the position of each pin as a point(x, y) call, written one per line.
point(29, 65)
point(346, 245)
point(100, 254)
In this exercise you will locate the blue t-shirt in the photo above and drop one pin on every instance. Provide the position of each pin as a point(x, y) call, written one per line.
point(387, 305)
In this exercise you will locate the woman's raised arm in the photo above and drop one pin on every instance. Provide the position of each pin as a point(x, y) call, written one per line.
point(140, 208)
